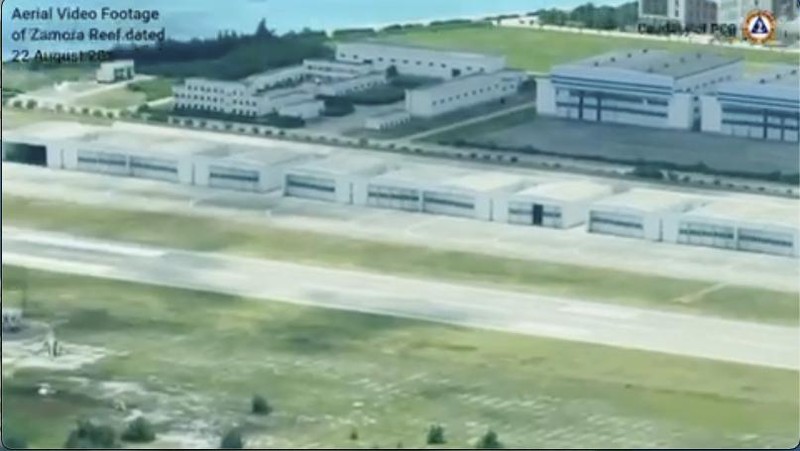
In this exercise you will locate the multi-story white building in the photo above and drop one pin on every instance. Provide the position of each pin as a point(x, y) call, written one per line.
point(767, 107)
point(346, 86)
point(686, 13)
point(462, 92)
point(319, 69)
point(419, 61)
point(113, 71)
point(638, 87)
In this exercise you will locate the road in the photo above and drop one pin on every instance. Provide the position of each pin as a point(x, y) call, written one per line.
point(472, 306)
point(471, 121)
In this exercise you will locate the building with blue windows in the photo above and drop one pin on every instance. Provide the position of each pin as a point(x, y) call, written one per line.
point(766, 107)
point(653, 88)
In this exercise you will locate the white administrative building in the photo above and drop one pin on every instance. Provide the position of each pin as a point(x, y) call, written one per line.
point(644, 87)
point(766, 107)
point(419, 61)
point(463, 92)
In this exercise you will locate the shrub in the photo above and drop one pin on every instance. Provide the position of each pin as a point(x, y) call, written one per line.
point(232, 440)
point(139, 431)
point(647, 172)
point(436, 435)
point(89, 435)
point(354, 434)
point(489, 440)
point(30, 104)
point(260, 406)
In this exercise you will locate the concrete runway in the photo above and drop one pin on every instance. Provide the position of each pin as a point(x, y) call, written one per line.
point(472, 306)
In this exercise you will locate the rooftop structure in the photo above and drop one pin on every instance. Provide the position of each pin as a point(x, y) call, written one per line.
point(649, 200)
point(771, 212)
point(343, 164)
point(659, 62)
point(485, 182)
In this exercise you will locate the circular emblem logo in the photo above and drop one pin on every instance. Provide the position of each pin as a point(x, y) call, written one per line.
point(759, 27)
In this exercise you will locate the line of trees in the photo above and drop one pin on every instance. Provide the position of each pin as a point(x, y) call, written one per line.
point(590, 16)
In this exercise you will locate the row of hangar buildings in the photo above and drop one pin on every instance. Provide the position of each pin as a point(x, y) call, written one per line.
point(334, 175)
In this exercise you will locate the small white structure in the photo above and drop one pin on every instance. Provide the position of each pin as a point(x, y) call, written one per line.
point(12, 319)
point(767, 107)
point(462, 92)
point(244, 168)
point(419, 61)
point(114, 71)
point(756, 225)
point(559, 205)
point(334, 179)
point(387, 120)
point(640, 213)
point(653, 88)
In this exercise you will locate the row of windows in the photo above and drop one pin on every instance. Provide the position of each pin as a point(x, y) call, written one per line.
point(760, 125)
point(614, 108)
point(449, 202)
point(616, 222)
point(707, 233)
point(102, 160)
point(529, 212)
point(238, 177)
point(153, 166)
point(215, 99)
point(293, 182)
point(496, 86)
point(216, 90)
point(216, 109)
point(763, 240)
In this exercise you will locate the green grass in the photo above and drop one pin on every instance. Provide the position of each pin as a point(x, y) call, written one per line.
point(228, 236)
point(157, 88)
point(15, 118)
point(538, 50)
point(21, 77)
point(117, 98)
point(204, 355)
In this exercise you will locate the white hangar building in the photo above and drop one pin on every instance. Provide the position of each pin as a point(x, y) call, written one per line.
point(419, 61)
point(440, 190)
point(766, 226)
point(244, 168)
point(336, 178)
point(652, 88)
point(640, 213)
point(767, 107)
point(462, 92)
point(558, 205)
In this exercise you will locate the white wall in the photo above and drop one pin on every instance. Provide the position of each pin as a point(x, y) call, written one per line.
point(680, 111)
point(545, 97)
point(462, 93)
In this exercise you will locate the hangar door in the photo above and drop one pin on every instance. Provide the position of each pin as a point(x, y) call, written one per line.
point(233, 178)
point(616, 224)
point(25, 153)
point(154, 168)
point(102, 162)
point(309, 187)
point(393, 197)
point(448, 204)
point(765, 241)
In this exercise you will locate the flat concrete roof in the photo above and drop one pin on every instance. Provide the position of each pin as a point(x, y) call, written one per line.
point(661, 62)
point(486, 182)
point(145, 143)
point(756, 211)
point(567, 191)
point(343, 164)
point(419, 175)
point(237, 153)
point(648, 200)
point(52, 130)
point(467, 80)
point(776, 74)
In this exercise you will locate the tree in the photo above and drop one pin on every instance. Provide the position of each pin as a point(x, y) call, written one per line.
point(90, 435)
point(489, 440)
point(232, 440)
point(436, 435)
point(260, 406)
point(391, 71)
point(139, 431)
point(262, 31)
point(354, 434)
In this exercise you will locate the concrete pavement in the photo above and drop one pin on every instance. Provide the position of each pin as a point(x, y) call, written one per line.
point(472, 306)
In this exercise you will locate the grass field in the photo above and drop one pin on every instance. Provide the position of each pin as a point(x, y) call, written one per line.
point(14, 118)
point(154, 89)
point(228, 236)
point(117, 98)
point(538, 50)
point(190, 361)
point(18, 77)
